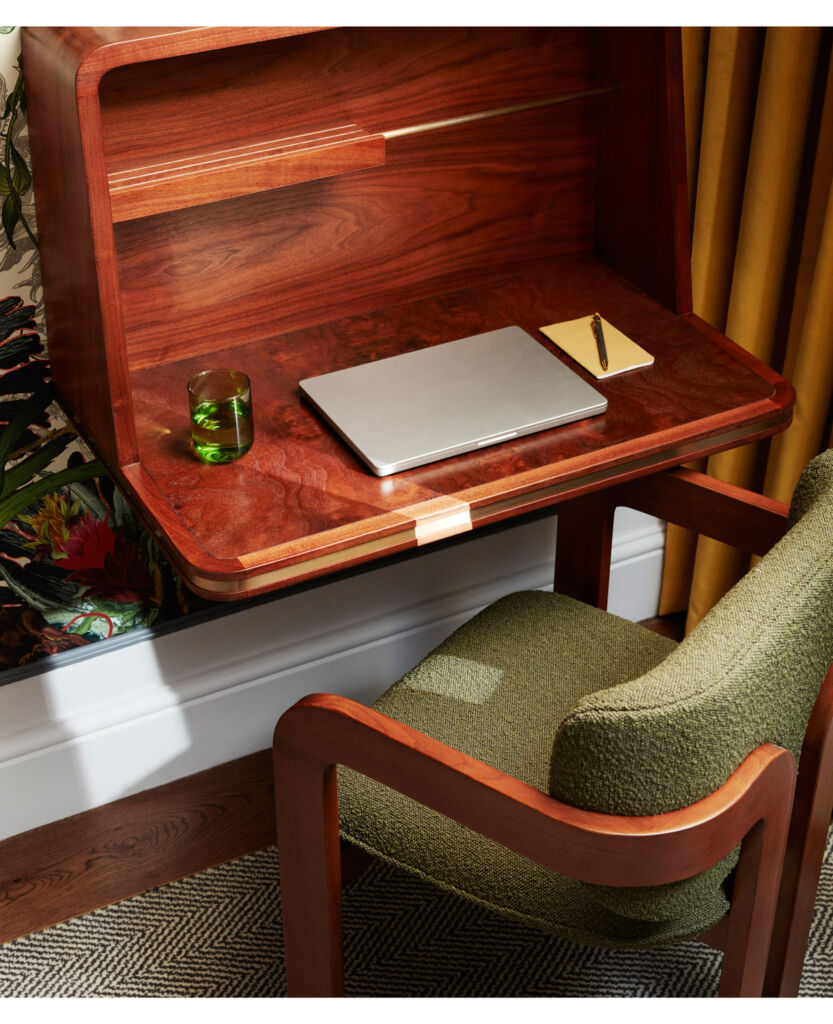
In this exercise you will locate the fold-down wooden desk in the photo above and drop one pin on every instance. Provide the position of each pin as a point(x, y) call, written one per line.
point(289, 202)
point(301, 503)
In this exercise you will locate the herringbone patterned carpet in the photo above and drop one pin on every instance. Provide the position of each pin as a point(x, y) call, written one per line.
point(218, 934)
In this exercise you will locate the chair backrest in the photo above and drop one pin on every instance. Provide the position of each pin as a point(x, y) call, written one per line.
point(748, 673)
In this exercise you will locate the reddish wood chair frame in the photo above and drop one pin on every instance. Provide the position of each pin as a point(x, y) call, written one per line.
point(752, 523)
point(324, 730)
point(754, 806)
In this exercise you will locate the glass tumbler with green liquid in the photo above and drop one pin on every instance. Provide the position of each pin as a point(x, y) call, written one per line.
point(221, 415)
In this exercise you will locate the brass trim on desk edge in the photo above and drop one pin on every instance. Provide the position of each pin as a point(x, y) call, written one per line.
point(430, 521)
point(444, 517)
point(297, 570)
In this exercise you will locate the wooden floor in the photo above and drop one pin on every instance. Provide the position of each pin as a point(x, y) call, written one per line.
point(72, 866)
point(90, 860)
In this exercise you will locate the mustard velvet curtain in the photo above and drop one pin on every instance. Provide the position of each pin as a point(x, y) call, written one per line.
point(759, 131)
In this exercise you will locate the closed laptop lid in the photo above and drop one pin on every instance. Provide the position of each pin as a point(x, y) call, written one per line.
point(419, 407)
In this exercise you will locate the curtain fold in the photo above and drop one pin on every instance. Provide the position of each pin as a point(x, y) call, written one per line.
point(761, 121)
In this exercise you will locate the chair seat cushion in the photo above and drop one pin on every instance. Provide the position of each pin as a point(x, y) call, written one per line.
point(497, 690)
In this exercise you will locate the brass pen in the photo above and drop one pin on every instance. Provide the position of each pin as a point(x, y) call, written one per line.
point(600, 340)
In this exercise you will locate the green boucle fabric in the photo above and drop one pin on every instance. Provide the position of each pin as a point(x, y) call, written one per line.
point(497, 690)
point(748, 673)
point(608, 716)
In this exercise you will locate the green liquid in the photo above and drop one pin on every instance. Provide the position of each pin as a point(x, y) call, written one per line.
point(222, 431)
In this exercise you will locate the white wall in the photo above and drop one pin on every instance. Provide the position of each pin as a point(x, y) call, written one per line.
point(147, 713)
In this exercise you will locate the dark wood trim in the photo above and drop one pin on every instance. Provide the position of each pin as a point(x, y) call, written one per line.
point(747, 521)
point(731, 514)
point(583, 547)
point(671, 625)
point(89, 860)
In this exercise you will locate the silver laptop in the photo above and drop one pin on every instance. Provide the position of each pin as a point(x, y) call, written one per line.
point(419, 407)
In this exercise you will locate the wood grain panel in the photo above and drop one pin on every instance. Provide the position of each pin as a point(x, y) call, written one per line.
point(641, 206)
point(76, 341)
point(63, 67)
point(206, 176)
point(379, 78)
point(448, 208)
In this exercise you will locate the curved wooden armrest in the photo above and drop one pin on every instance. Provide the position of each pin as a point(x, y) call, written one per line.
point(745, 520)
point(733, 515)
point(324, 730)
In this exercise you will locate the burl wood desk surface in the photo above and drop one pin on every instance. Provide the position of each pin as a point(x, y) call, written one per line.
point(301, 504)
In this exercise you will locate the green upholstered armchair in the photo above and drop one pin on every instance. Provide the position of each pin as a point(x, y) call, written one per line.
point(577, 772)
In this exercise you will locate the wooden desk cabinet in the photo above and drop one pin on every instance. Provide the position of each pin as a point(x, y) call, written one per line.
point(291, 201)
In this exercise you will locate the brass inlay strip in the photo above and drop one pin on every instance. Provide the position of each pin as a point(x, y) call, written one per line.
point(444, 517)
point(331, 560)
point(438, 518)
point(446, 525)
point(428, 521)
point(482, 115)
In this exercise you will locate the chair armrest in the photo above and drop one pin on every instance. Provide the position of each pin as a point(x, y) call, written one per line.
point(748, 521)
point(740, 518)
point(324, 730)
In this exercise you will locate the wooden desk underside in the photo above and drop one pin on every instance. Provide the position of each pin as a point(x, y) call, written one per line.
point(301, 504)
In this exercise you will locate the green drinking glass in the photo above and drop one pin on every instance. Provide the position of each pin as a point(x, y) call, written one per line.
point(221, 414)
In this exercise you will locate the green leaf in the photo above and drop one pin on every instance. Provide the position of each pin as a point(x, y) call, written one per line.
point(25, 470)
point(14, 96)
point(5, 183)
point(11, 215)
point(41, 585)
point(28, 413)
point(90, 501)
point(22, 499)
point(125, 615)
point(22, 177)
point(83, 626)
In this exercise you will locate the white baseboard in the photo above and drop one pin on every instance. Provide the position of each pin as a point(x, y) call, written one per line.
point(95, 730)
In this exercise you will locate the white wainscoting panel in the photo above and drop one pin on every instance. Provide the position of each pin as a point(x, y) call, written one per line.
point(146, 713)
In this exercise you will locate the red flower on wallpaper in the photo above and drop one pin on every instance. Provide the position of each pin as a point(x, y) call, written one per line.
point(106, 563)
point(89, 544)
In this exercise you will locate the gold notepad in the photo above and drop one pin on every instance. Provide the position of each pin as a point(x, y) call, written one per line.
point(578, 340)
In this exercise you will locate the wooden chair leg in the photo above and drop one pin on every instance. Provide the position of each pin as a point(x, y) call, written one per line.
point(306, 806)
point(794, 916)
point(754, 897)
point(805, 850)
point(354, 863)
point(582, 549)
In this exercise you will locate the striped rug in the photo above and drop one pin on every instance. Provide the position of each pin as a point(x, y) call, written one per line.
point(218, 934)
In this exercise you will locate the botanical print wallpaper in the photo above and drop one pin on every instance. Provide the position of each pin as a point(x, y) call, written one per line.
point(76, 567)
